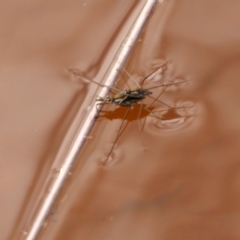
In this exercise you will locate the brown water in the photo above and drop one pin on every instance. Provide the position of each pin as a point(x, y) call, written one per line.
point(180, 179)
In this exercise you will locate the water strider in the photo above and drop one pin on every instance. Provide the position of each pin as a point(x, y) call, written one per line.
point(129, 97)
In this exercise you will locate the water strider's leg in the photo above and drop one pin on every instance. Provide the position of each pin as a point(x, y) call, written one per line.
point(139, 123)
point(139, 85)
point(120, 131)
point(157, 99)
point(131, 77)
point(165, 87)
point(149, 75)
point(77, 73)
point(152, 113)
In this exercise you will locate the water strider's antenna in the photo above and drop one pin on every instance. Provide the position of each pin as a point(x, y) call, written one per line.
point(86, 126)
point(77, 73)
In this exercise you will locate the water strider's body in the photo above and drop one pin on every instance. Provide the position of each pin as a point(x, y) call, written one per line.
point(125, 98)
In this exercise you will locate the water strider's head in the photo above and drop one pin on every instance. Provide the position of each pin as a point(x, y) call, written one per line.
point(106, 100)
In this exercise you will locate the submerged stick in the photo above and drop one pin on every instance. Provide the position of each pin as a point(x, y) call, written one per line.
point(84, 129)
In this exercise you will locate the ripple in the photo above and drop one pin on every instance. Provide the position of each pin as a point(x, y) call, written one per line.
point(171, 119)
point(110, 157)
point(170, 124)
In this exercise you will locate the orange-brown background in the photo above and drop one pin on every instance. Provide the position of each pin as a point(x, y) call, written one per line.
point(185, 185)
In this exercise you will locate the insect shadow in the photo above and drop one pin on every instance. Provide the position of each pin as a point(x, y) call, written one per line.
point(129, 99)
point(133, 115)
point(119, 112)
